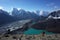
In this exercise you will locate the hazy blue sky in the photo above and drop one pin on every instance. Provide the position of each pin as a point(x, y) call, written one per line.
point(30, 5)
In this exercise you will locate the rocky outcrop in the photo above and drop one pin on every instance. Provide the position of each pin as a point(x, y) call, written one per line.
point(50, 24)
point(53, 25)
point(5, 17)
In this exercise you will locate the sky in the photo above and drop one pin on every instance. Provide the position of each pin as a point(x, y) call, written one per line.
point(30, 5)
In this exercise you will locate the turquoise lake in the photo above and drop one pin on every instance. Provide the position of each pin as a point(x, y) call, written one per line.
point(32, 31)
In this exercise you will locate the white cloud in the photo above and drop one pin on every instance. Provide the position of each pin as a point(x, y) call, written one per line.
point(13, 7)
point(18, 8)
point(1, 7)
point(41, 12)
point(55, 7)
point(50, 4)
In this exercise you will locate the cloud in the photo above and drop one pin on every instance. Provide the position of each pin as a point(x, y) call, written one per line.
point(1, 7)
point(50, 4)
point(55, 7)
point(41, 12)
point(19, 8)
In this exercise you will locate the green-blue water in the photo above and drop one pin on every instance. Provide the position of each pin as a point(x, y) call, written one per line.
point(34, 31)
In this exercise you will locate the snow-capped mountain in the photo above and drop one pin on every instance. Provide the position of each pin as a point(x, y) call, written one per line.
point(54, 15)
point(5, 17)
point(18, 15)
point(42, 13)
point(22, 14)
point(15, 12)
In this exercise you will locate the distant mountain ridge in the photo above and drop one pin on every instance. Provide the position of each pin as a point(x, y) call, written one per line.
point(5, 17)
point(51, 24)
point(49, 21)
point(22, 14)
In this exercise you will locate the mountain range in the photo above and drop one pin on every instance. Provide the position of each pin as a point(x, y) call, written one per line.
point(5, 17)
point(46, 21)
point(51, 24)
point(21, 14)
